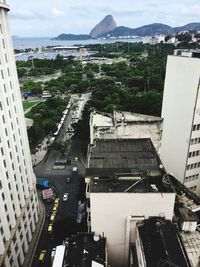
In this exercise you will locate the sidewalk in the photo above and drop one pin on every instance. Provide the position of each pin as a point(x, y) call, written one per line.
point(40, 154)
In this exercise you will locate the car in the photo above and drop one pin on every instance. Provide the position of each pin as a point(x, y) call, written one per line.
point(65, 196)
point(68, 179)
point(55, 208)
point(56, 201)
point(76, 160)
point(50, 228)
point(42, 256)
point(53, 217)
point(74, 169)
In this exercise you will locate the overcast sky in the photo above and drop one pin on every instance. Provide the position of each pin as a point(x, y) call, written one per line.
point(44, 18)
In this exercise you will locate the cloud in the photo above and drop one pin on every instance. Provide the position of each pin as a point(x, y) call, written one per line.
point(191, 10)
point(57, 13)
point(24, 14)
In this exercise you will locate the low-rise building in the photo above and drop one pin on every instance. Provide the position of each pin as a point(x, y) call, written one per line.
point(125, 183)
point(158, 243)
point(81, 250)
point(124, 125)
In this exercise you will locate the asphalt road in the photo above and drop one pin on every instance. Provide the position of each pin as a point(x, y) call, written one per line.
point(67, 210)
point(65, 222)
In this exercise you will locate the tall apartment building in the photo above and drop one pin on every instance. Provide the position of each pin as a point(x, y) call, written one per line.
point(180, 145)
point(18, 198)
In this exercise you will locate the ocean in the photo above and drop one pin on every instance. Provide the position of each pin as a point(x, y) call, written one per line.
point(36, 42)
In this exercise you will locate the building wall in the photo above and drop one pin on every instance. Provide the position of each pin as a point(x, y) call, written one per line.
point(179, 102)
point(18, 198)
point(109, 212)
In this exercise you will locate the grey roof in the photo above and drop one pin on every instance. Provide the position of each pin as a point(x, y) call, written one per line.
point(162, 244)
point(125, 165)
point(82, 249)
point(132, 154)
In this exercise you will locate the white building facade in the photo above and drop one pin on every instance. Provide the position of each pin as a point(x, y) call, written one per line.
point(18, 197)
point(180, 144)
point(116, 214)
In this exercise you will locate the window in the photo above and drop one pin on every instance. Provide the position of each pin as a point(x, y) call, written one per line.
point(193, 166)
point(3, 118)
point(3, 42)
point(2, 76)
point(1, 230)
point(193, 188)
point(8, 218)
point(191, 177)
point(5, 207)
point(196, 127)
point(194, 154)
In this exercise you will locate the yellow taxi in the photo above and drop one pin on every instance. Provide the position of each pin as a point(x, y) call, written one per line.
point(55, 208)
point(56, 202)
point(53, 217)
point(50, 228)
point(42, 256)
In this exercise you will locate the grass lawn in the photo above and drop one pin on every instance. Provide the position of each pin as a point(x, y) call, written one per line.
point(27, 105)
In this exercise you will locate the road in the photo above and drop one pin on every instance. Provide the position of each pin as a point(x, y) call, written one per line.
point(65, 223)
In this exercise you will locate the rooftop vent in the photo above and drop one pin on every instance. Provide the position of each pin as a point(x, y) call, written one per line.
point(96, 237)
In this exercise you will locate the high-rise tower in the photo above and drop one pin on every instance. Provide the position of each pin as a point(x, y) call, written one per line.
point(180, 145)
point(18, 197)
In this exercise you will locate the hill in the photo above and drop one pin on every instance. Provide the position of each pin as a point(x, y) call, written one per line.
point(106, 25)
point(150, 30)
point(72, 37)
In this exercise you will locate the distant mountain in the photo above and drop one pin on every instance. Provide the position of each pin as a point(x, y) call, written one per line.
point(191, 26)
point(72, 37)
point(108, 24)
point(150, 30)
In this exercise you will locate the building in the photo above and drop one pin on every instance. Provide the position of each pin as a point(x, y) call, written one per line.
point(81, 250)
point(18, 197)
point(158, 243)
point(124, 125)
point(180, 145)
point(125, 183)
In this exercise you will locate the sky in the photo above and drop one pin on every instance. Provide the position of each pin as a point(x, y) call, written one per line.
point(49, 18)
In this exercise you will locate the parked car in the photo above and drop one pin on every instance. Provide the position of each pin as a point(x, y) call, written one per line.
point(53, 217)
point(56, 201)
point(42, 256)
point(74, 169)
point(65, 196)
point(50, 228)
point(68, 179)
point(55, 208)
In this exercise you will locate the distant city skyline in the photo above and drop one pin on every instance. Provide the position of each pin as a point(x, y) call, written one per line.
point(50, 18)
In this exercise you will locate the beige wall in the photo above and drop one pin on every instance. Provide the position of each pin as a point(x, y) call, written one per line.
point(109, 212)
